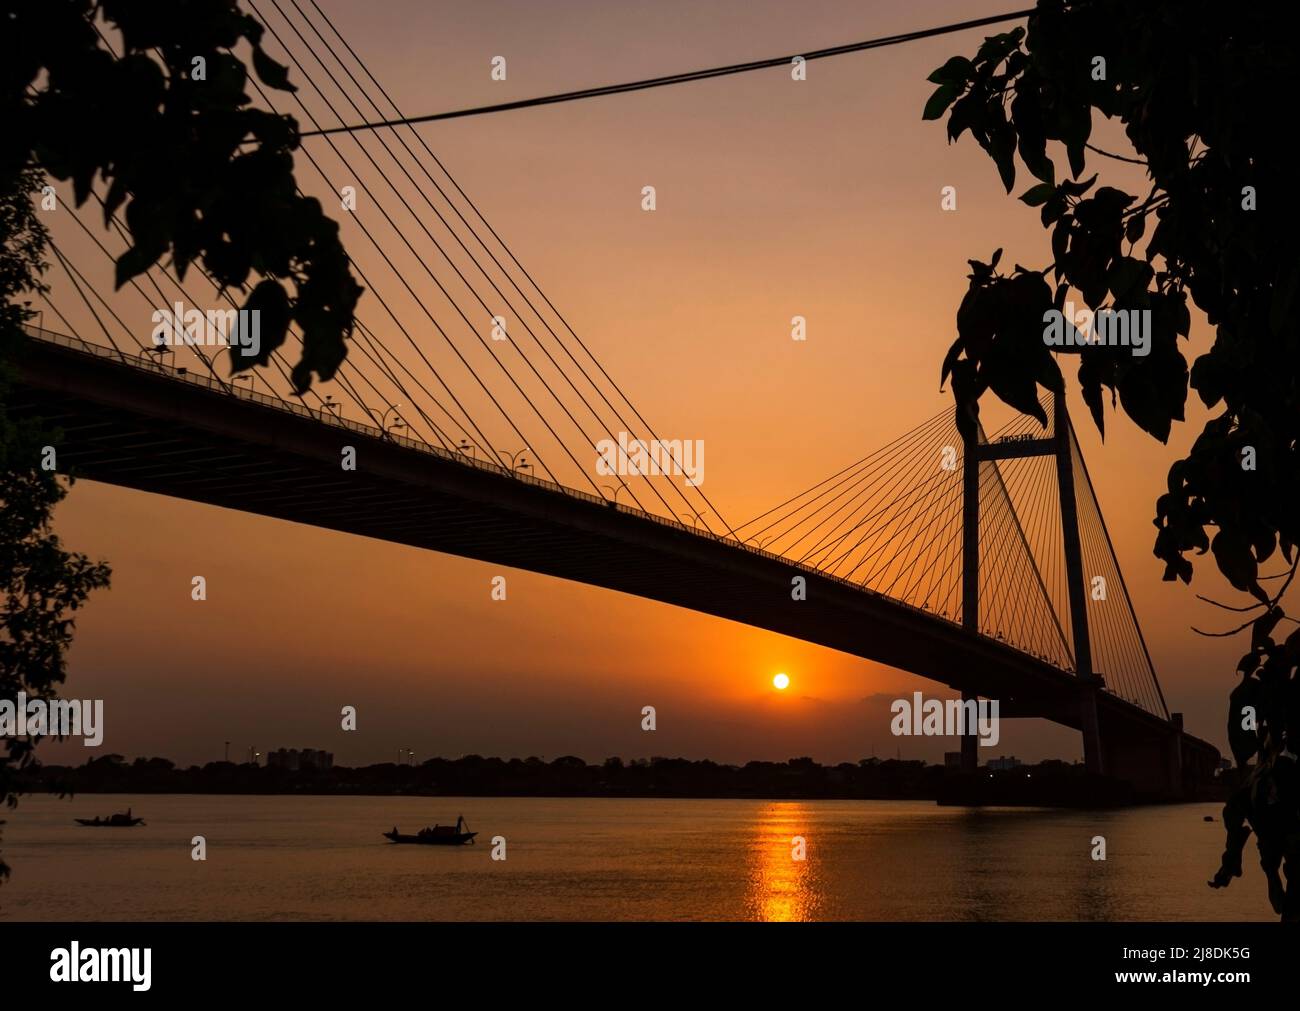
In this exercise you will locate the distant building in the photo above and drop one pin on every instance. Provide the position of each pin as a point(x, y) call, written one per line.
point(1002, 763)
point(293, 760)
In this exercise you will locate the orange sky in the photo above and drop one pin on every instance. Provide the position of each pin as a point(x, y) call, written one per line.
point(818, 198)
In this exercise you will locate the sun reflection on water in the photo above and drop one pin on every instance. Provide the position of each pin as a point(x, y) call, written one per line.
point(782, 888)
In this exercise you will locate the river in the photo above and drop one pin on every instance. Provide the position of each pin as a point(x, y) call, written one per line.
point(322, 858)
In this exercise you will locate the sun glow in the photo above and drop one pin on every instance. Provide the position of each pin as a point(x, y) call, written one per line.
point(781, 682)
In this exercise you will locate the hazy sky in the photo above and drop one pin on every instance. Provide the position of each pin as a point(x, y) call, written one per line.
point(775, 198)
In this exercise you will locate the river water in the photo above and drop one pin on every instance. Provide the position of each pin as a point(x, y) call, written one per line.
point(323, 858)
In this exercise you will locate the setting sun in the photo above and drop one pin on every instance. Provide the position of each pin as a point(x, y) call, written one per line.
point(781, 682)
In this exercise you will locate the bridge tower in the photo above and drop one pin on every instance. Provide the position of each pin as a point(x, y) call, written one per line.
point(1057, 445)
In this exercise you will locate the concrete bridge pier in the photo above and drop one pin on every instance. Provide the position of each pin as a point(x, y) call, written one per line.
point(970, 742)
point(1162, 764)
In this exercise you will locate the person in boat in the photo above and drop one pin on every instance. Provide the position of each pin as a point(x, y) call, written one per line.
point(460, 820)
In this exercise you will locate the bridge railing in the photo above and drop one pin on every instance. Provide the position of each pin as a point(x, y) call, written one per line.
point(326, 417)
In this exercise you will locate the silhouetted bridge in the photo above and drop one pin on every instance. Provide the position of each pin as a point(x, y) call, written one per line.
point(142, 425)
point(984, 565)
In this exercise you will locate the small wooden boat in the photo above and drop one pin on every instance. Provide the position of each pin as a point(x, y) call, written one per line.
point(112, 821)
point(438, 835)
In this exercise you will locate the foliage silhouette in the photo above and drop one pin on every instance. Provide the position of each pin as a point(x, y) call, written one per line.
point(201, 173)
point(1263, 715)
point(41, 583)
point(1199, 88)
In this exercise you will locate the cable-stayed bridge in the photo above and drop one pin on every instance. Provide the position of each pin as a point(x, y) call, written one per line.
point(883, 580)
point(984, 566)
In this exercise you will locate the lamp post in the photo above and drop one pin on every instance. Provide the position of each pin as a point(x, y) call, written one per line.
point(515, 458)
point(38, 313)
point(385, 426)
point(160, 350)
point(242, 377)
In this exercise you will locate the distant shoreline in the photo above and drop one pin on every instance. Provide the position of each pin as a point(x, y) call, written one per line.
point(457, 796)
point(473, 776)
point(1050, 783)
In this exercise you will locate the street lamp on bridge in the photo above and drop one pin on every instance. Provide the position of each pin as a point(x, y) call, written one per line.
point(159, 350)
point(693, 517)
point(516, 459)
point(386, 427)
point(242, 377)
point(38, 313)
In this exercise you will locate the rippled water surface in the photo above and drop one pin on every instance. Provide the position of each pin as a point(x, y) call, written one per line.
point(322, 858)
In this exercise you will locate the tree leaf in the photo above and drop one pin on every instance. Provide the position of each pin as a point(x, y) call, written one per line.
point(271, 73)
point(956, 71)
point(1039, 194)
point(271, 303)
point(943, 96)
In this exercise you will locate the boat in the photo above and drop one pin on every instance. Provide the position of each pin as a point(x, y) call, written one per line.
point(437, 835)
point(112, 821)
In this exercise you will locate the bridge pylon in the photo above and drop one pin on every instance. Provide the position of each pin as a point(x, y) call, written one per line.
point(978, 451)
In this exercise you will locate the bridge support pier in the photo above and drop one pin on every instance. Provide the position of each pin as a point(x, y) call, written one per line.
point(1151, 765)
point(970, 742)
point(1094, 758)
point(1075, 580)
point(970, 580)
point(1061, 447)
point(1175, 753)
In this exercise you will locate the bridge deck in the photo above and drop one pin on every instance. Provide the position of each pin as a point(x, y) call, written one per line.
point(148, 428)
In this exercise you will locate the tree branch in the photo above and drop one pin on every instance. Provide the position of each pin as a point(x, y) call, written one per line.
point(1228, 607)
point(1224, 635)
point(1117, 157)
